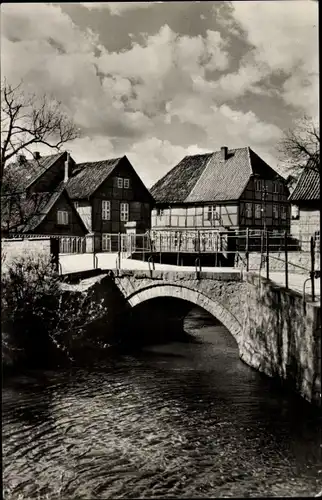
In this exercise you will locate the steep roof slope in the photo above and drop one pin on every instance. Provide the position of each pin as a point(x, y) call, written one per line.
point(87, 177)
point(307, 187)
point(23, 174)
point(25, 213)
point(209, 177)
point(176, 185)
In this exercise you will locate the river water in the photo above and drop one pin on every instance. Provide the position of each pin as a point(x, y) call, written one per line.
point(177, 420)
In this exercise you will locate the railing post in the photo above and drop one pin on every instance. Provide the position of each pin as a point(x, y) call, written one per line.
point(160, 249)
point(143, 247)
point(267, 255)
point(197, 262)
point(150, 259)
point(119, 248)
point(94, 251)
point(286, 259)
point(312, 249)
point(247, 249)
point(178, 250)
point(199, 246)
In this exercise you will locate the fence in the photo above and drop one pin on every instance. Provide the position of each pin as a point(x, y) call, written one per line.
point(286, 264)
point(72, 244)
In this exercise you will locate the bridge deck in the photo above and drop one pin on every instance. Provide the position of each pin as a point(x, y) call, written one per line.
point(84, 262)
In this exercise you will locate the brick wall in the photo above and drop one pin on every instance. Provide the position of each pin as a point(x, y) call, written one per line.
point(12, 249)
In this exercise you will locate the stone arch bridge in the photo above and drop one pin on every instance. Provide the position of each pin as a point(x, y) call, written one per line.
point(221, 294)
point(275, 330)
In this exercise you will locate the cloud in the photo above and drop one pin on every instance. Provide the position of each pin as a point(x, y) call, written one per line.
point(55, 56)
point(164, 65)
point(283, 39)
point(117, 8)
point(153, 157)
point(155, 99)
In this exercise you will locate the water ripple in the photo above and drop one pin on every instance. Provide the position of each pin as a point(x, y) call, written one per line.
point(197, 423)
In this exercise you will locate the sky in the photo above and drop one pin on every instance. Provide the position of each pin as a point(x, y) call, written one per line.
point(157, 81)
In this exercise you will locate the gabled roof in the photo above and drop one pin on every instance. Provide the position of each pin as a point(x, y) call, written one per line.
point(207, 177)
point(29, 211)
point(23, 174)
point(176, 185)
point(87, 177)
point(307, 187)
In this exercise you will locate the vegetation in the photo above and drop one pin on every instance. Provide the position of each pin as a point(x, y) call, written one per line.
point(27, 120)
point(300, 147)
point(41, 323)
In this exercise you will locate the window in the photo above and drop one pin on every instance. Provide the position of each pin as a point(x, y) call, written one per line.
point(106, 242)
point(126, 183)
point(76, 204)
point(275, 187)
point(124, 212)
point(258, 185)
point(283, 212)
point(119, 182)
point(258, 211)
point(249, 210)
point(160, 212)
point(281, 188)
point(62, 217)
point(106, 210)
point(211, 213)
point(295, 212)
point(275, 211)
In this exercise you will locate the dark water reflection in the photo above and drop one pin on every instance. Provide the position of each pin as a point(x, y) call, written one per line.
point(176, 420)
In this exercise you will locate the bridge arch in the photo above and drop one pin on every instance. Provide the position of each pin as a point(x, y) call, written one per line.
point(195, 297)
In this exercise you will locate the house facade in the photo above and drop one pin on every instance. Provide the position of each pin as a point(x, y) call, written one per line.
point(305, 200)
point(34, 198)
point(228, 190)
point(112, 200)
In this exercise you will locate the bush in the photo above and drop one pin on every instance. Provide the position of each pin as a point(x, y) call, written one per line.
point(42, 323)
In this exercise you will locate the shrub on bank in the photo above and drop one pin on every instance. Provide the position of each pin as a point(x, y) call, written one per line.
point(41, 323)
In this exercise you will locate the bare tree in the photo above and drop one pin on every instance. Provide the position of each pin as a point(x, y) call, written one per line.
point(27, 120)
point(300, 147)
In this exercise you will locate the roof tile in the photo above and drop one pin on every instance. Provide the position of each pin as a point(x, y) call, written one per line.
point(23, 174)
point(87, 177)
point(307, 187)
point(208, 177)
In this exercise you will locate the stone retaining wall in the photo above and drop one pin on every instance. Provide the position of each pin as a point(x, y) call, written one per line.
point(282, 336)
point(277, 261)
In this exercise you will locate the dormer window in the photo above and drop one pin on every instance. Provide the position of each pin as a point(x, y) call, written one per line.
point(126, 183)
point(275, 187)
point(119, 182)
point(258, 184)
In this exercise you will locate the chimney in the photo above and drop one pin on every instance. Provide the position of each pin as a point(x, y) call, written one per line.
point(21, 159)
point(66, 169)
point(224, 153)
point(37, 155)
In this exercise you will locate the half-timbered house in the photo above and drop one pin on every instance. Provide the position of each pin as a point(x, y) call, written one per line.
point(227, 190)
point(34, 199)
point(111, 199)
